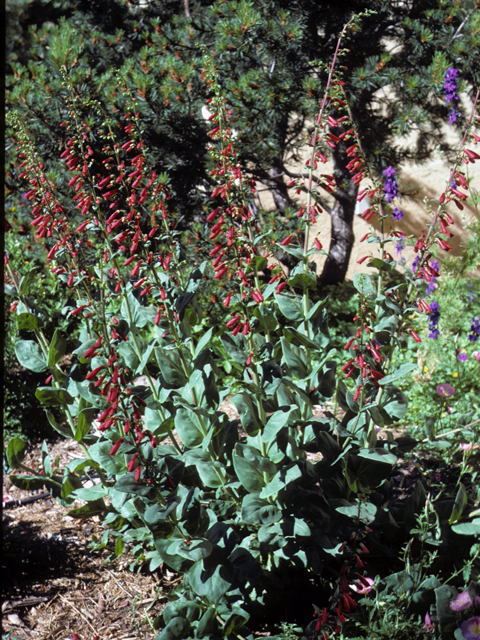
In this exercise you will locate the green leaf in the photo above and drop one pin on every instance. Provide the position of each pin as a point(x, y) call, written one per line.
point(129, 355)
point(27, 320)
point(62, 429)
point(236, 347)
point(471, 528)
point(47, 467)
point(189, 427)
point(84, 422)
point(127, 484)
point(58, 347)
point(302, 279)
point(194, 549)
point(29, 355)
point(27, 483)
point(90, 493)
point(284, 416)
point(248, 412)
point(99, 452)
point(394, 405)
point(26, 281)
point(176, 629)
point(204, 341)
point(364, 511)
point(15, 452)
point(169, 362)
point(138, 318)
point(250, 466)
point(53, 397)
point(378, 455)
point(295, 359)
point(381, 265)
point(93, 508)
point(402, 370)
point(210, 583)
point(289, 306)
point(459, 505)
point(364, 285)
point(259, 511)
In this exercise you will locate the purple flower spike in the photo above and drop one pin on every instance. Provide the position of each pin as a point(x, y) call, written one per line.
point(450, 85)
point(450, 91)
point(471, 628)
point(434, 320)
point(446, 390)
point(390, 187)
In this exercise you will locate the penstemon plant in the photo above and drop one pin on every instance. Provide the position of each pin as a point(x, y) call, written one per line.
point(244, 509)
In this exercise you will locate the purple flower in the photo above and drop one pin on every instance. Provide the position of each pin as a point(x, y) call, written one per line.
point(450, 85)
point(432, 285)
point(399, 246)
point(397, 214)
point(471, 628)
point(415, 263)
point(445, 390)
point(463, 600)
point(462, 356)
point(390, 187)
point(474, 334)
point(450, 91)
point(433, 320)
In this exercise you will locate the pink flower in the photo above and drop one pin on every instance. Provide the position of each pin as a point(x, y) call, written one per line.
point(428, 626)
point(471, 628)
point(464, 446)
point(476, 355)
point(364, 585)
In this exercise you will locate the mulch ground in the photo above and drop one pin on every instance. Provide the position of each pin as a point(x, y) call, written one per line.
point(56, 585)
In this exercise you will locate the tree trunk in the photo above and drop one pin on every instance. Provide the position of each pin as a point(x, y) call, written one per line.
point(277, 185)
point(342, 238)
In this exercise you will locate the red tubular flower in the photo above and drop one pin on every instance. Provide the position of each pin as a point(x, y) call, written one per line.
point(131, 464)
point(280, 287)
point(233, 321)
point(93, 374)
point(138, 473)
point(414, 335)
point(116, 447)
point(287, 240)
point(226, 302)
point(318, 244)
point(444, 245)
point(357, 393)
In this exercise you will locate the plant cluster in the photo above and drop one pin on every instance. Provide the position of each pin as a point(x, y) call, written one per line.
point(283, 501)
